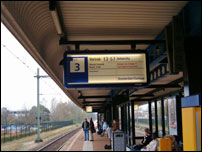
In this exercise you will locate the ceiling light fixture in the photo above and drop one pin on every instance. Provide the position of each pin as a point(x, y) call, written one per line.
point(56, 21)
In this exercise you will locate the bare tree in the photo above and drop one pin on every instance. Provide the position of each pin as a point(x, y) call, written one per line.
point(64, 111)
point(4, 115)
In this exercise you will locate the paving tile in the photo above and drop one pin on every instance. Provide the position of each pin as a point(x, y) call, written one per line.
point(99, 143)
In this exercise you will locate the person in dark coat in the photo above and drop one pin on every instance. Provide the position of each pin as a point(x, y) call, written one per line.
point(147, 139)
point(92, 129)
point(85, 126)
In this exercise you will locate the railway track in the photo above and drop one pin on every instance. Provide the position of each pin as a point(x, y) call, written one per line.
point(58, 143)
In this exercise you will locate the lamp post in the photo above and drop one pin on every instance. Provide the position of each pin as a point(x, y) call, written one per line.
point(38, 139)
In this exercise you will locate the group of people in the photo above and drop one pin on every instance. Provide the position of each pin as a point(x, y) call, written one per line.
point(150, 142)
point(104, 127)
point(89, 128)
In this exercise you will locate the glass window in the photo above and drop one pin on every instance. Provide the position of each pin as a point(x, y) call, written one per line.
point(166, 116)
point(172, 120)
point(153, 117)
point(141, 113)
point(159, 115)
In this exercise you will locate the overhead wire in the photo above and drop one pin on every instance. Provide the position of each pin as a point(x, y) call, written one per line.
point(27, 66)
point(17, 58)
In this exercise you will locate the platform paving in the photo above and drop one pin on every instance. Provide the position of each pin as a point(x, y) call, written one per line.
point(77, 143)
point(99, 143)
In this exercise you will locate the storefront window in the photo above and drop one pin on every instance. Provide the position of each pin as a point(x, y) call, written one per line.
point(153, 117)
point(159, 115)
point(172, 120)
point(141, 113)
point(166, 116)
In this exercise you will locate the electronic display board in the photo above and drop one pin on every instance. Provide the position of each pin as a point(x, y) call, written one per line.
point(105, 69)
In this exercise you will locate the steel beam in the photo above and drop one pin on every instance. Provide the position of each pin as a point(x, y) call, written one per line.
point(94, 102)
point(110, 42)
point(85, 97)
point(143, 95)
point(159, 72)
point(139, 100)
point(52, 5)
point(164, 86)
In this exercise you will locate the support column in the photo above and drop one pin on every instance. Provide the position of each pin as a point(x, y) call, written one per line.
point(191, 106)
point(192, 69)
point(187, 59)
point(150, 116)
point(163, 118)
point(133, 122)
point(156, 116)
point(179, 116)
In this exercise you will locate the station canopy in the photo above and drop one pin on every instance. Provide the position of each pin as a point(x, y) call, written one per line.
point(34, 26)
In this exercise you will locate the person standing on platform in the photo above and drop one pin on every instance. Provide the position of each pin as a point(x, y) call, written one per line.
point(92, 129)
point(85, 126)
point(104, 127)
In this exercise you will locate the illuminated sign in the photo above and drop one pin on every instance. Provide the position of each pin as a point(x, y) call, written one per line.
point(89, 109)
point(136, 107)
point(97, 69)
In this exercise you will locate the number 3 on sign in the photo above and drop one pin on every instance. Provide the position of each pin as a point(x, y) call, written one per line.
point(77, 65)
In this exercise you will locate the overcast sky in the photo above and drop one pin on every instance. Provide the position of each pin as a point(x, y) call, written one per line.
point(18, 85)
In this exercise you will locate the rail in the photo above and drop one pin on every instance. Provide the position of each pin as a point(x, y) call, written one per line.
point(58, 143)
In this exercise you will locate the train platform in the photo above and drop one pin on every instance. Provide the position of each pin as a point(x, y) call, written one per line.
point(77, 143)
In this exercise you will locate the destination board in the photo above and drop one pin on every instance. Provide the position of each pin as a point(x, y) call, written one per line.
point(100, 68)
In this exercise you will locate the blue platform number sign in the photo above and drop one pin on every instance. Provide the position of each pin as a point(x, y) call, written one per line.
point(77, 65)
point(105, 70)
point(77, 71)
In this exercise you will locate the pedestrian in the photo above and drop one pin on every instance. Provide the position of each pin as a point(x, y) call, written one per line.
point(109, 132)
point(104, 127)
point(115, 125)
point(98, 125)
point(146, 140)
point(152, 146)
point(92, 129)
point(85, 126)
